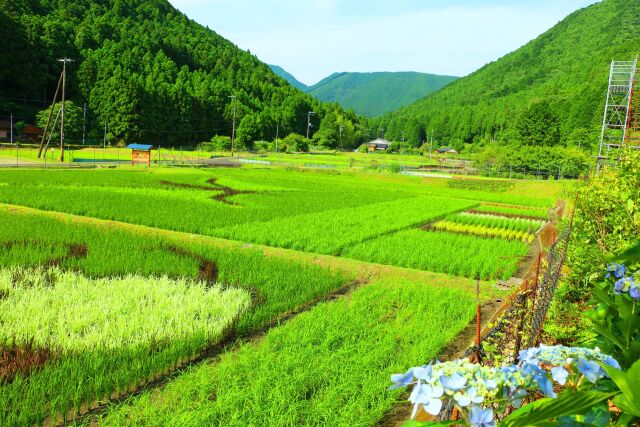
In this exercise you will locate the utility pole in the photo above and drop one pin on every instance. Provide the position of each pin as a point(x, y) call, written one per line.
point(46, 126)
point(233, 130)
point(104, 137)
point(309, 114)
point(84, 121)
point(64, 77)
point(341, 129)
point(277, 132)
point(11, 128)
point(431, 145)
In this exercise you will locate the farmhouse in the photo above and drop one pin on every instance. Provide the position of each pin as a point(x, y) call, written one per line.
point(446, 150)
point(28, 133)
point(5, 129)
point(378, 145)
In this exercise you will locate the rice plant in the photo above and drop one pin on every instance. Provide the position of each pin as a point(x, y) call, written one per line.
point(514, 211)
point(456, 254)
point(329, 366)
point(483, 231)
point(488, 220)
point(108, 255)
point(329, 231)
point(103, 335)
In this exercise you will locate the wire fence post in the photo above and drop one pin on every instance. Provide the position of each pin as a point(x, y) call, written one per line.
point(478, 356)
point(534, 292)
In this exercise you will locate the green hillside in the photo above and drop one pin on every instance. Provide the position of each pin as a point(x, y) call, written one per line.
point(373, 94)
point(147, 70)
point(289, 77)
point(564, 72)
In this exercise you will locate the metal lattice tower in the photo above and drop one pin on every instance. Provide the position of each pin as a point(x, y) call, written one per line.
point(621, 123)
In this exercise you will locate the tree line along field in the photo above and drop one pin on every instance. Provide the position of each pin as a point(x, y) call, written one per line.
point(328, 365)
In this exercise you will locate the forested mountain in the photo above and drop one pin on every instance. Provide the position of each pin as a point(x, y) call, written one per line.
point(148, 71)
point(289, 77)
point(556, 84)
point(373, 94)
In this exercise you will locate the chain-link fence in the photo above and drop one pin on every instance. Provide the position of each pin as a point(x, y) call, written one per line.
point(521, 318)
point(520, 324)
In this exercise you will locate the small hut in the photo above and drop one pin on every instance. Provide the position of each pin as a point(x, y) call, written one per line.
point(141, 153)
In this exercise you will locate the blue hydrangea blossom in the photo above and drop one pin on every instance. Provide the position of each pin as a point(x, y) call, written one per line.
point(470, 385)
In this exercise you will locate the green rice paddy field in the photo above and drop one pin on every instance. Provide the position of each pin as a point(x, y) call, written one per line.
point(242, 296)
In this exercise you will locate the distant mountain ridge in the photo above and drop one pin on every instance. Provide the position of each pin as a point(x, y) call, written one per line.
point(371, 94)
point(566, 68)
point(288, 77)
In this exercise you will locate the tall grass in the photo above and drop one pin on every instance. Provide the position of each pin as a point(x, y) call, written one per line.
point(329, 366)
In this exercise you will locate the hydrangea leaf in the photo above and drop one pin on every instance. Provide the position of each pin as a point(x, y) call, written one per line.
point(567, 403)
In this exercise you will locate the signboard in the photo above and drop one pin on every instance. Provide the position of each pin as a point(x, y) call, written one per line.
point(141, 156)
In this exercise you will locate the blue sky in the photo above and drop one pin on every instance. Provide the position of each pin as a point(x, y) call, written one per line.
point(314, 38)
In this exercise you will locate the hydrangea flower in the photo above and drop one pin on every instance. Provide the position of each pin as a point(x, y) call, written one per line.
point(560, 355)
point(561, 361)
point(428, 396)
point(401, 380)
point(469, 385)
point(616, 270)
point(591, 370)
point(463, 382)
point(623, 285)
point(479, 417)
point(559, 375)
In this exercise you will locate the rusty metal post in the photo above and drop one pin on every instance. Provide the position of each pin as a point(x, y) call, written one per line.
point(478, 355)
point(534, 291)
point(523, 318)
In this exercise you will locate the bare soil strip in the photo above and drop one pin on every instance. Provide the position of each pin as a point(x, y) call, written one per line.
point(504, 215)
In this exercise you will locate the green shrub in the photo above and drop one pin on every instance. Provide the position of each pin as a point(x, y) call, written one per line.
point(217, 143)
point(295, 143)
